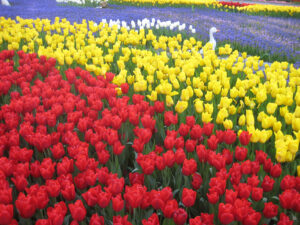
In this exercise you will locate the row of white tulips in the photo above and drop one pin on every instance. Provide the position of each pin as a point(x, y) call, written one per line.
point(149, 24)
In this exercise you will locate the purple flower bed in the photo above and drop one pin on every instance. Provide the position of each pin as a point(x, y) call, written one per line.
point(276, 36)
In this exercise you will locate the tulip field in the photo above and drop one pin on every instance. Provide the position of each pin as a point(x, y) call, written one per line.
point(119, 119)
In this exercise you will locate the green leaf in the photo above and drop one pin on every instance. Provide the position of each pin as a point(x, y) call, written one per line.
point(168, 222)
point(67, 219)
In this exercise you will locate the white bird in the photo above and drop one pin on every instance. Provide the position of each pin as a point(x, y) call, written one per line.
point(211, 38)
point(5, 2)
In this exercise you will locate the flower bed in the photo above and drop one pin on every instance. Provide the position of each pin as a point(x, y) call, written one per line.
point(234, 4)
point(252, 9)
point(88, 3)
point(78, 149)
point(273, 39)
point(230, 92)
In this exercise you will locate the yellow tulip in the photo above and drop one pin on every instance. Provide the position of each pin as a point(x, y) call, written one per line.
point(297, 112)
point(277, 126)
point(249, 118)
point(206, 117)
point(169, 101)
point(217, 88)
point(208, 96)
point(225, 102)
point(271, 108)
point(185, 95)
point(255, 137)
point(296, 124)
point(288, 117)
point(175, 83)
point(198, 106)
point(234, 92)
point(228, 124)
point(293, 146)
point(198, 92)
point(261, 95)
point(289, 157)
point(242, 120)
point(265, 136)
point(232, 110)
point(209, 108)
point(224, 92)
point(222, 114)
point(281, 155)
point(153, 96)
point(181, 106)
point(283, 111)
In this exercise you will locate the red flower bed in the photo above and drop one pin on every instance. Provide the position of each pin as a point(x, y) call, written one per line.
point(72, 151)
point(235, 4)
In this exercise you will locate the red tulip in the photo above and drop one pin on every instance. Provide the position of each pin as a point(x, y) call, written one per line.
point(68, 191)
point(169, 157)
point(184, 129)
point(170, 118)
point(96, 220)
point(6, 214)
point(190, 145)
point(117, 203)
point(53, 188)
point(287, 198)
point(240, 153)
point(253, 181)
point(57, 214)
point(208, 128)
point(229, 137)
point(257, 193)
point(270, 210)
point(26, 205)
point(196, 181)
point(47, 168)
point(179, 142)
point(152, 220)
point(188, 197)
point(288, 182)
point(285, 220)
point(202, 153)
point(225, 213)
point(170, 207)
point(190, 121)
point(91, 196)
point(104, 199)
point(169, 142)
point(245, 137)
point(159, 106)
point(230, 196)
point(136, 178)
point(212, 142)
point(77, 210)
point(124, 88)
point(180, 156)
point(213, 197)
point(180, 216)
point(121, 220)
point(267, 184)
point(42, 222)
point(196, 132)
point(260, 156)
point(276, 170)
point(189, 167)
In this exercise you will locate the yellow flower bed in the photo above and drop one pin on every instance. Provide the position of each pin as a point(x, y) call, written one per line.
point(237, 92)
point(270, 8)
point(172, 2)
point(255, 8)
